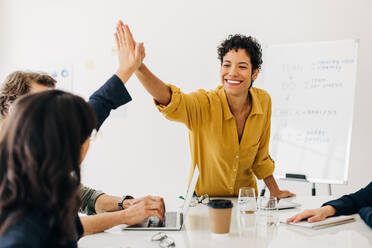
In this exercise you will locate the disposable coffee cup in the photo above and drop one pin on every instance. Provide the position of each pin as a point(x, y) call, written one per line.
point(220, 215)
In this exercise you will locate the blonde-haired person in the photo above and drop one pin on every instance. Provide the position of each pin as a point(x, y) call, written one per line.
point(103, 210)
point(20, 83)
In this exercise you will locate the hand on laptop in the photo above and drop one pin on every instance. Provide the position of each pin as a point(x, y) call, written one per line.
point(313, 215)
point(144, 207)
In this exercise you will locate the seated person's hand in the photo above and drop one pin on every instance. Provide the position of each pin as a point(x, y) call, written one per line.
point(142, 208)
point(283, 194)
point(129, 202)
point(313, 215)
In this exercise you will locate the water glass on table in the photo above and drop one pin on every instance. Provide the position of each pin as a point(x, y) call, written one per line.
point(268, 214)
point(247, 200)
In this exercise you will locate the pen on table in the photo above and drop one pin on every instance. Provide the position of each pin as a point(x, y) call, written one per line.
point(181, 197)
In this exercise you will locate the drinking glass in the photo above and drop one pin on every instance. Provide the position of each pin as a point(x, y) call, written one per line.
point(247, 200)
point(268, 211)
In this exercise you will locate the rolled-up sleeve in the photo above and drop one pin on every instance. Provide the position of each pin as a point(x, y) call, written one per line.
point(173, 105)
point(89, 197)
point(190, 109)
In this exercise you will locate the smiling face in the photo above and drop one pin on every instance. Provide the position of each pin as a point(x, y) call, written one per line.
point(236, 73)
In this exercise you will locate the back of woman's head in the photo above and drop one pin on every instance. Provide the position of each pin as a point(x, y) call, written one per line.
point(40, 147)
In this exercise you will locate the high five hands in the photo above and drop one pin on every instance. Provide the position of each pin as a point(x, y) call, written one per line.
point(130, 53)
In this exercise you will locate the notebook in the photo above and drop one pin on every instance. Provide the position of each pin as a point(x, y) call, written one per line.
point(330, 221)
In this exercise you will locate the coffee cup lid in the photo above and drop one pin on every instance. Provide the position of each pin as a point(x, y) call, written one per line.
point(220, 204)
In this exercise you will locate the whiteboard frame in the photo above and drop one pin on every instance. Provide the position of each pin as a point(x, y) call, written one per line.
point(349, 139)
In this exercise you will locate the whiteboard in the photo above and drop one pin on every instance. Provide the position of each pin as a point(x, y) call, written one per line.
point(312, 88)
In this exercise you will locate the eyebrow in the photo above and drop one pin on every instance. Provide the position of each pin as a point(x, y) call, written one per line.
point(228, 61)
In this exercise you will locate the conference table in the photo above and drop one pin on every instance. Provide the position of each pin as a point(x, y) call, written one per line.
point(244, 232)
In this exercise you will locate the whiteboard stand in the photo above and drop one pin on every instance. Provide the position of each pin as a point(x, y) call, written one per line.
point(329, 189)
point(300, 178)
point(313, 190)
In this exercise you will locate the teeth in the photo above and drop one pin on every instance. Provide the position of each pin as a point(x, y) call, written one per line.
point(233, 82)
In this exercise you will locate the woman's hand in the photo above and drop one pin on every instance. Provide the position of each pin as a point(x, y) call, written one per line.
point(313, 215)
point(274, 189)
point(130, 53)
point(283, 194)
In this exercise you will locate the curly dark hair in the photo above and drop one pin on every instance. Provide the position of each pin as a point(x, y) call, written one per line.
point(248, 43)
point(40, 155)
point(18, 84)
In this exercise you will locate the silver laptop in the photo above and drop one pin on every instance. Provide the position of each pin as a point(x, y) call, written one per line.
point(172, 220)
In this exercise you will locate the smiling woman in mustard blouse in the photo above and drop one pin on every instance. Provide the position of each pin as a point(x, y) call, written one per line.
point(229, 126)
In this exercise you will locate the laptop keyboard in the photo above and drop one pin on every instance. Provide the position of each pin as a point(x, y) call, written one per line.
point(154, 222)
point(170, 220)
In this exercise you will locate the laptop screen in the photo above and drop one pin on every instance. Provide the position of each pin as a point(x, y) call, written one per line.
point(190, 191)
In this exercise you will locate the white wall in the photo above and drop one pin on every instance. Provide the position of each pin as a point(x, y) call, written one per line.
point(136, 144)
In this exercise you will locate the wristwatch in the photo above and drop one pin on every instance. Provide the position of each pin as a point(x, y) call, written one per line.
point(122, 199)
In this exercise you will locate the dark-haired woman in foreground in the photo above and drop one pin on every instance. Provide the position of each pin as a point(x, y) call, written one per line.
point(229, 126)
point(42, 143)
point(105, 211)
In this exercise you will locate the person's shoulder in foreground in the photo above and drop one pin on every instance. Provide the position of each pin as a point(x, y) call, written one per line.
point(32, 231)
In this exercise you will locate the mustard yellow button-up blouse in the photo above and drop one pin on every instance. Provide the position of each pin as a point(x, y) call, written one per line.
point(225, 165)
